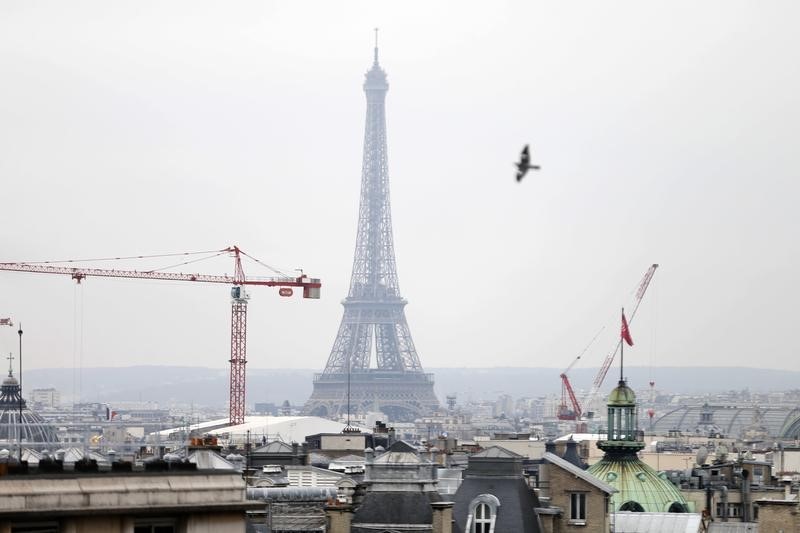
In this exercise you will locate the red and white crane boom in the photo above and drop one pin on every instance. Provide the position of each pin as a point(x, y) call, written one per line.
point(311, 289)
point(601, 374)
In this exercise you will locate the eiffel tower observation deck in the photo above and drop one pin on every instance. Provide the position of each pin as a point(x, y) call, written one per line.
point(374, 321)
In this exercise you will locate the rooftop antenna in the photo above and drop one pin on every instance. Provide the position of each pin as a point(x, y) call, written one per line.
point(347, 426)
point(624, 336)
point(376, 46)
point(621, 351)
point(19, 332)
point(19, 422)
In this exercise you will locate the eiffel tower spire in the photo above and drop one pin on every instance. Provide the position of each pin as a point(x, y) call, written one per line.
point(374, 320)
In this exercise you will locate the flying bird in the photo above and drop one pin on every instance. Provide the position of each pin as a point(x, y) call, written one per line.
point(524, 164)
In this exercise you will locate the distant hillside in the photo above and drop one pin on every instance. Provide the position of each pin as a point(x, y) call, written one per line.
point(209, 386)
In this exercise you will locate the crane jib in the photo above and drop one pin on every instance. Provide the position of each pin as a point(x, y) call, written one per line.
point(311, 289)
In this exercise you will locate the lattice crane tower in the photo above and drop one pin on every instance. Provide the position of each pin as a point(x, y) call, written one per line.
point(374, 320)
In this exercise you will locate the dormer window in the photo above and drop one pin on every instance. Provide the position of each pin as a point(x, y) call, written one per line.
point(482, 514)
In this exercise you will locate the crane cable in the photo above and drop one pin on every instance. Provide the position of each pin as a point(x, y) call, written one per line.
point(187, 262)
point(586, 349)
point(273, 269)
point(152, 256)
point(210, 254)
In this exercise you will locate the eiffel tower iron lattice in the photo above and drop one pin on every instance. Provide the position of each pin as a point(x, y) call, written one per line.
point(374, 318)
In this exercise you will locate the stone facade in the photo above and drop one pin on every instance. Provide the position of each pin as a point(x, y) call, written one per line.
point(572, 500)
point(778, 516)
point(119, 502)
point(562, 485)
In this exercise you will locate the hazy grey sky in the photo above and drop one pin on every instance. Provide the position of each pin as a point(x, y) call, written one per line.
point(668, 132)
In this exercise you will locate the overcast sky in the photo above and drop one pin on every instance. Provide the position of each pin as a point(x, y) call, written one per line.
point(667, 132)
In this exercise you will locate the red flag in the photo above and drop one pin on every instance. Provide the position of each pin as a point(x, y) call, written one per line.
point(626, 333)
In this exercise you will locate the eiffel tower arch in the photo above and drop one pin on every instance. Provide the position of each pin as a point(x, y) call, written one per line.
point(374, 320)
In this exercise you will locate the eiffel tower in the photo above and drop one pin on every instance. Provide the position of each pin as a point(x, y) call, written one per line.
point(374, 318)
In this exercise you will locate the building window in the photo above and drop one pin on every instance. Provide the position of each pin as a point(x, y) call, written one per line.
point(734, 509)
point(35, 527)
point(632, 506)
point(483, 518)
point(482, 514)
point(577, 507)
point(676, 507)
point(155, 526)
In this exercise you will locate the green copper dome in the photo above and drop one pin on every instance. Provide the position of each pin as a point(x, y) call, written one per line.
point(622, 395)
point(640, 487)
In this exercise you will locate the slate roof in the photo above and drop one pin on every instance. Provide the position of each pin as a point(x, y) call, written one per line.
point(494, 452)
point(401, 446)
point(399, 452)
point(498, 472)
point(208, 460)
point(291, 494)
point(517, 503)
point(394, 508)
point(73, 454)
point(275, 446)
point(494, 461)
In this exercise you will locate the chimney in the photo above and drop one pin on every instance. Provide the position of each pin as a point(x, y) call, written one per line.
point(572, 455)
point(339, 516)
point(787, 487)
point(442, 517)
point(295, 453)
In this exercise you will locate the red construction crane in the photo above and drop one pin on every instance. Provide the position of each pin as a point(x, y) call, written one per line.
point(564, 412)
point(311, 289)
point(601, 374)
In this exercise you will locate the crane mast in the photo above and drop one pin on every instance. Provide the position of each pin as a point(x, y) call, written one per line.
point(239, 297)
point(601, 374)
